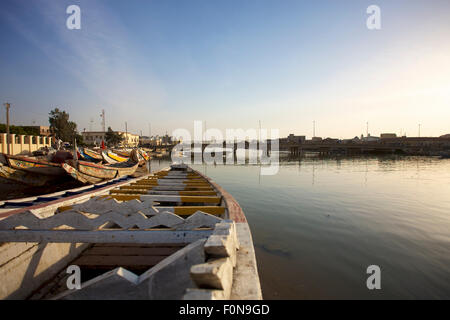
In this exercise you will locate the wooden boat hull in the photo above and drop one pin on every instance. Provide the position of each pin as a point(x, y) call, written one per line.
point(108, 159)
point(162, 234)
point(88, 172)
point(87, 157)
point(116, 157)
point(144, 154)
point(93, 154)
point(35, 166)
point(95, 170)
point(124, 154)
point(24, 177)
point(83, 178)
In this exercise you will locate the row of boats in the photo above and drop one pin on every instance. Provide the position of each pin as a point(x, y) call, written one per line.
point(87, 166)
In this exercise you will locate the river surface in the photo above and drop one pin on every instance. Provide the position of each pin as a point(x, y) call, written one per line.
point(319, 223)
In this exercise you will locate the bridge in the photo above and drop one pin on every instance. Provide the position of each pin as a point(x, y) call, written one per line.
point(411, 146)
point(340, 148)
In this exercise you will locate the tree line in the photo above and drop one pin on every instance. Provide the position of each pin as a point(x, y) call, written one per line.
point(62, 128)
point(66, 130)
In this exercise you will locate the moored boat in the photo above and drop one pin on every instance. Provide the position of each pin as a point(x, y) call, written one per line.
point(123, 153)
point(35, 165)
point(89, 172)
point(116, 157)
point(24, 177)
point(107, 158)
point(93, 154)
point(129, 239)
point(144, 154)
point(87, 157)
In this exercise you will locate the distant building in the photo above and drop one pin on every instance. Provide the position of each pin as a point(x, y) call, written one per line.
point(388, 135)
point(295, 139)
point(356, 139)
point(445, 136)
point(441, 142)
point(157, 140)
point(369, 138)
point(131, 139)
point(330, 140)
point(316, 139)
point(96, 138)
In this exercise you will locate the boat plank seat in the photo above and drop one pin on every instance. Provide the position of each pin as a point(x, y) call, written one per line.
point(168, 188)
point(170, 183)
point(167, 198)
point(190, 210)
point(179, 193)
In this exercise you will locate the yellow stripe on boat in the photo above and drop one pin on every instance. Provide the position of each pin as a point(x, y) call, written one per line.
point(189, 210)
point(64, 208)
point(128, 192)
point(202, 193)
point(117, 157)
point(203, 199)
point(123, 197)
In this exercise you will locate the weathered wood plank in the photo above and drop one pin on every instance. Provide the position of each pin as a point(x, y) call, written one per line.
point(188, 210)
point(71, 236)
point(130, 251)
point(214, 274)
point(119, 261)
point(143, 245)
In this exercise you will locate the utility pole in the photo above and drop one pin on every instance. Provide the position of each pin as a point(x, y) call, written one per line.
point(314, 128)
point(419, 129)
point(259, 134)
point(126, 134)
point(367, 128)
point(103, 120)
point(7, 105)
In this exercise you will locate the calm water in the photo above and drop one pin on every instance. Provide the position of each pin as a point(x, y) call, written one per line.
point(318, 224)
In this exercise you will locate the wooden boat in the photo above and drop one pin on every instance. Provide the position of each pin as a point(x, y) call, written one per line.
point(22, 176)
point(111, 157)
point(35, 165)
point(144, 154)
point(87, 157)
point(94, 155)
point(116, 157)
point(107, 158)
point(89, 172)
point(129, 238)
point(122, 153)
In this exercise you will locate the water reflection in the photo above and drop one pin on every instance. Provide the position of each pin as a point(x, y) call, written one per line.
point(320, 222)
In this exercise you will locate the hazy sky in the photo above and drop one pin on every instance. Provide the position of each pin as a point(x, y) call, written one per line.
point(230, 63)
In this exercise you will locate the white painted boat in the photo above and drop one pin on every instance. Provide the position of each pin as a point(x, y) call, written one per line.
point(129, 237)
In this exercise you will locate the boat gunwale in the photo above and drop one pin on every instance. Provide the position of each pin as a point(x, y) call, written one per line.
point(37, 161)
point(235, 211)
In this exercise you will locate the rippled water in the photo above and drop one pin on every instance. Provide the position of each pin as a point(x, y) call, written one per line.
point(319, 223)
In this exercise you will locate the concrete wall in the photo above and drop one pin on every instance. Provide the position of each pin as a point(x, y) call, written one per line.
point(21, 144)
